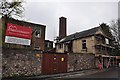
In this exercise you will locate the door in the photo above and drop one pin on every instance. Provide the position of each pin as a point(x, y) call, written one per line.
point(54, 63)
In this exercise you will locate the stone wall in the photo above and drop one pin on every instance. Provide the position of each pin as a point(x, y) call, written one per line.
point(16, 62)
point(21, 62)
point(0, 63)
point(80, 61)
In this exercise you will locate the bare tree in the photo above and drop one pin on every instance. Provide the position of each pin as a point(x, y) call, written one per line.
point(115, 29)
point(12, 8)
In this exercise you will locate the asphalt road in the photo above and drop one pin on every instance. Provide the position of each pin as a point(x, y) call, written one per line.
point(110, 74)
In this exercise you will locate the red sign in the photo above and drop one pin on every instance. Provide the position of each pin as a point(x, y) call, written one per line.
point(18, 31)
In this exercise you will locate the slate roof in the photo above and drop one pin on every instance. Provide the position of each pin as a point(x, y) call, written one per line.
point(82, 34)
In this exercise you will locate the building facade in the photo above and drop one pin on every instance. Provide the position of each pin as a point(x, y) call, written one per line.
point(97, 41)
point(15, 32)
point(48, 45)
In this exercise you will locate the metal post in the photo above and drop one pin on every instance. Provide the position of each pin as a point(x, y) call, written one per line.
point(108, 63)
point(116, 61)
point(113, 62)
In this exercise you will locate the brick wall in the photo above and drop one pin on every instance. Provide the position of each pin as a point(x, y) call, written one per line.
point(80, 61)
point(16, 62)
point(35, 41)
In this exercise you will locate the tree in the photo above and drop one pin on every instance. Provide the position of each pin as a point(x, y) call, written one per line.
point(11, 9)
point(115, 30)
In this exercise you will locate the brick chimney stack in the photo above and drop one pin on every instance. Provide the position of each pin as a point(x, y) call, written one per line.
point(62, 27)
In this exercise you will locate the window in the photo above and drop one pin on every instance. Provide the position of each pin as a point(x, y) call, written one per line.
point(98, 48)
point(48, 44)
point(65, 47)
point(106, 41)
point(38, 33)
point(60, 46)
point(84, 44)
point(103, 48)
point(37, 48)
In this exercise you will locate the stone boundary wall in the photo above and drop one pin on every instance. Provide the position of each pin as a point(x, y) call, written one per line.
point(80, 61)
point(0, 63)
point(19, 62)
point(22, 62)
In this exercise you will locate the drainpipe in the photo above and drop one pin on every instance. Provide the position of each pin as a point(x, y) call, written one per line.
point(102, 62)
point(116, 62)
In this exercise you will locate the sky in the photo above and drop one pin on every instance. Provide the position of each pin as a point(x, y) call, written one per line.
point(81, 15)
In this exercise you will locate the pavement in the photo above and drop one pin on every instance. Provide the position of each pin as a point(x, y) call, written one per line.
point(56, 76)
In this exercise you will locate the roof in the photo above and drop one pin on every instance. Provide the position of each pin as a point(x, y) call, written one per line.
point(82, 34)
point(21, 22)
point(48, 41)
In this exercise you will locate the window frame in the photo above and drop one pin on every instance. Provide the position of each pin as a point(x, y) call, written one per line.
point(84, 44)
point(38, 36)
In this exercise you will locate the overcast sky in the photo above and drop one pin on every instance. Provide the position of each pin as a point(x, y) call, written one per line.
point(80, 15)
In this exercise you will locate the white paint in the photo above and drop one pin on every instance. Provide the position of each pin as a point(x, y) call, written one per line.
point(15, 40)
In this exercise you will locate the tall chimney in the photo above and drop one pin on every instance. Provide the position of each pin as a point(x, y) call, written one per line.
point(62, 27)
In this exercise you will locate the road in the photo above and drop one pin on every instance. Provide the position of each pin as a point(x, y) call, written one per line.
point(110, 74)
